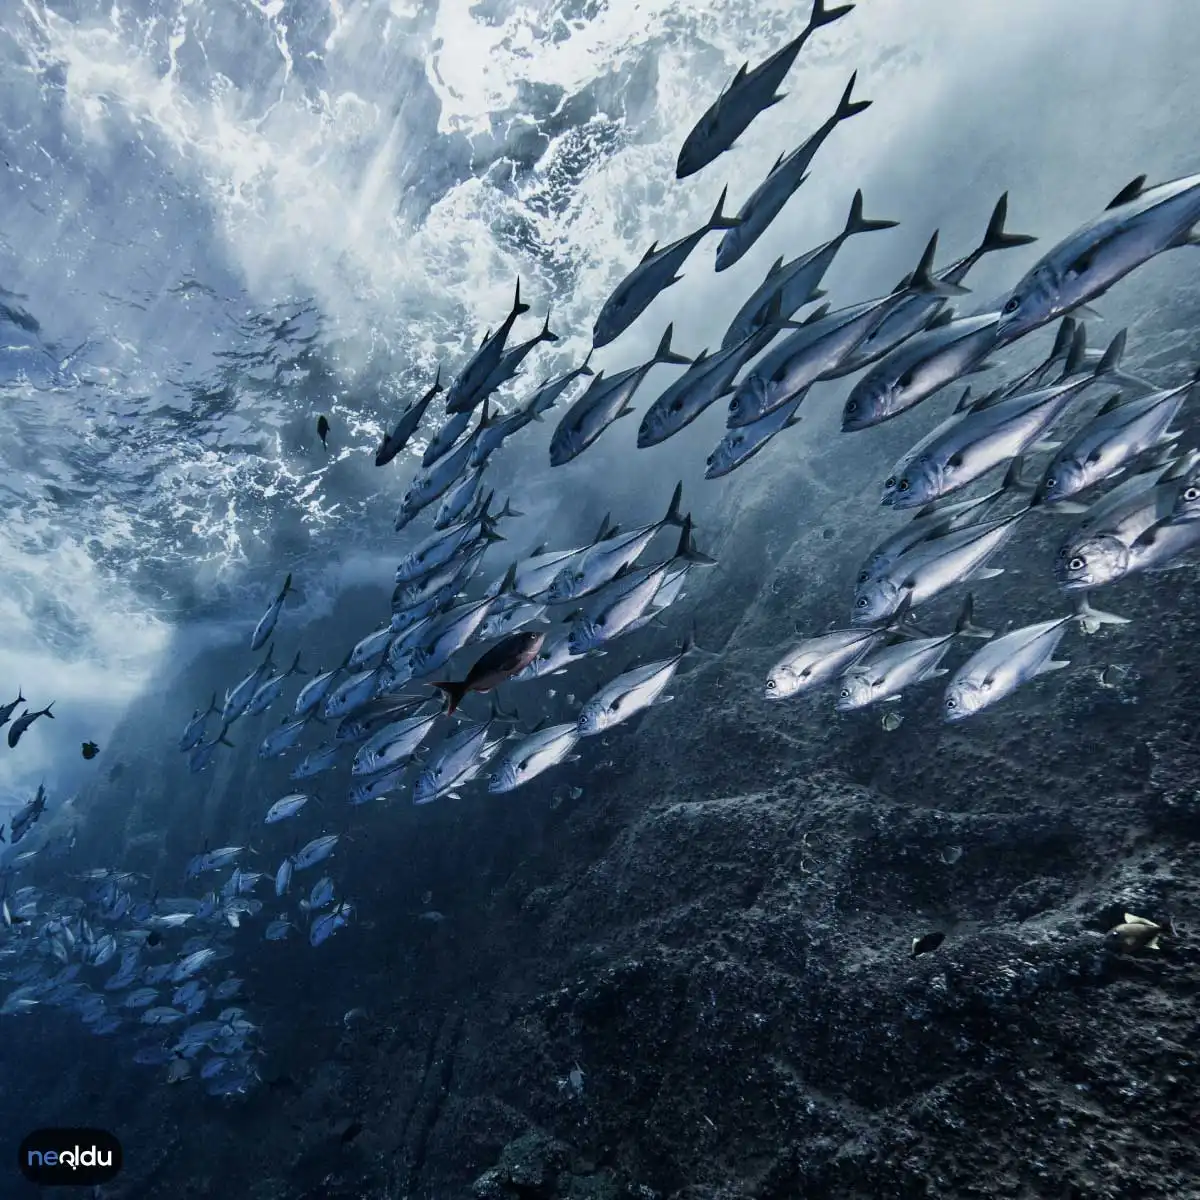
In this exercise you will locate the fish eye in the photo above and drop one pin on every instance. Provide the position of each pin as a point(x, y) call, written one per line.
point(1192, 493)
point(903, 485)
point(861, 602)
point(676, 404)
point(1014, 302)
point(845, 691)
point(890, 481)
point(863, 576)
point(771, 685)
point(906, 379)
point(1077, 563)
point(851, 406)
point(951, 702)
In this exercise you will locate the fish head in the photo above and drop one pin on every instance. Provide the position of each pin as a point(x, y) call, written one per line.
point(730, 249)
point(724, 458)
point(964, 697)
point(1035, 300)
point(610, 323)
point(749, 400)
point(427, 785)
point(857, 691)
point(1187, 503)
point(870, 401)
point(695, 153)
point(656, 425)
point(583, 636)
point(1064, 478)
point(564, 445)
point(876, 600)
point(917, 484)
point(786, 680)
point(1090, 562)
point(595, 717)
point(507, 776)
point(565, 585)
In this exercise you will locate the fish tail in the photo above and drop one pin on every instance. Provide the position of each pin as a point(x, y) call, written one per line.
point(825, 16)
point(995, 237)
point(857, 223)
point(664, 353)
point(1111, 359)
point(296, 668)
point(922, 279)
point(546, 335)
point(518, 308)
point(965, 625)
point(46, 711)
point(719, 220)
point(453, 691)
point(673, 516)
point(585, 367)
point(847, 107)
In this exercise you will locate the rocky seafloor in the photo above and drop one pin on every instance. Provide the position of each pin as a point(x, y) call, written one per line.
point(681, 967)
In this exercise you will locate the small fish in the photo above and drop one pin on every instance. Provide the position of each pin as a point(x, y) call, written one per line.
point(605, 401)
point(468, 388)
point(202, 755)
point(542, 749)
point(323, 758)
point(781, 183)
point(283, 738)
point(316, 851)
point(289, 806)
point(329, 923)
point(891, 722)
point(1137, 933)
point(927, 942)
point(1006, 662)
point(323, 430)
point(90, 750)
point(283, 876)
point(393, 745)
point(269, 692)
point(508, 656)
point(24, 721)
point(7, 710)
point(407, 425)
point(653, 275)
point(237, 700)
point(266, 624)
point(278, 929)
point(630, 693)
point(194, 733)
point(748, 94)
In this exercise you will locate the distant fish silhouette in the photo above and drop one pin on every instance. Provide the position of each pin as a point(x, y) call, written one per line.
point(323, 429)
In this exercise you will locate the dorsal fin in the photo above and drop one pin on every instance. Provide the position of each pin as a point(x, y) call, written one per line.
point(1131, 191)
point(944, 317)
point(650, 253)
point(1114, 401)
point(741, 74)
point(775, 266)
point(816, 314)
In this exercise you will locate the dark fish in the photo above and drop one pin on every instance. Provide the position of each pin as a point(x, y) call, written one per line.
point(351, 1132)
point(26, 719)
point(750, 93)
point(7, 710)
point(508, 656)
point(90, 749)
point(323, 429)
point(927, 942)
point(410, 420)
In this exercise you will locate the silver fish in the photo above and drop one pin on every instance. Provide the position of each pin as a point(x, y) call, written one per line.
point(652, 276)
point(393, 745)
point(269, 692)
point(817, 660)
point(266, 625)
point(932, 566)
point(605, 558)
point(316, 851)
point(923, 365)
point(443, 441)
point(915, 313)
point(552, 660)
point(784, 178)
point(1000, 667)
point(1139, 223)
point(743, 442)
point(630, 693)
point(278, 929)
point(459, 759)
point(321, 759)
point(237, 700)
point(970, 444)
point(162, 1016)
point(289, 806)
point(1115, 435)
point(377, 786)
point(283, 876)
point(313, 693)
point(370, 647)
point(510, 362)
point(505, 619)
point(193, 734)
point(883, 674)
point(458, 499)
point(348, 695)
point(541, 750)
point(431, 483)
point(798, 282)
point(327, 924)
point(605, 401)
point(282, 739)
